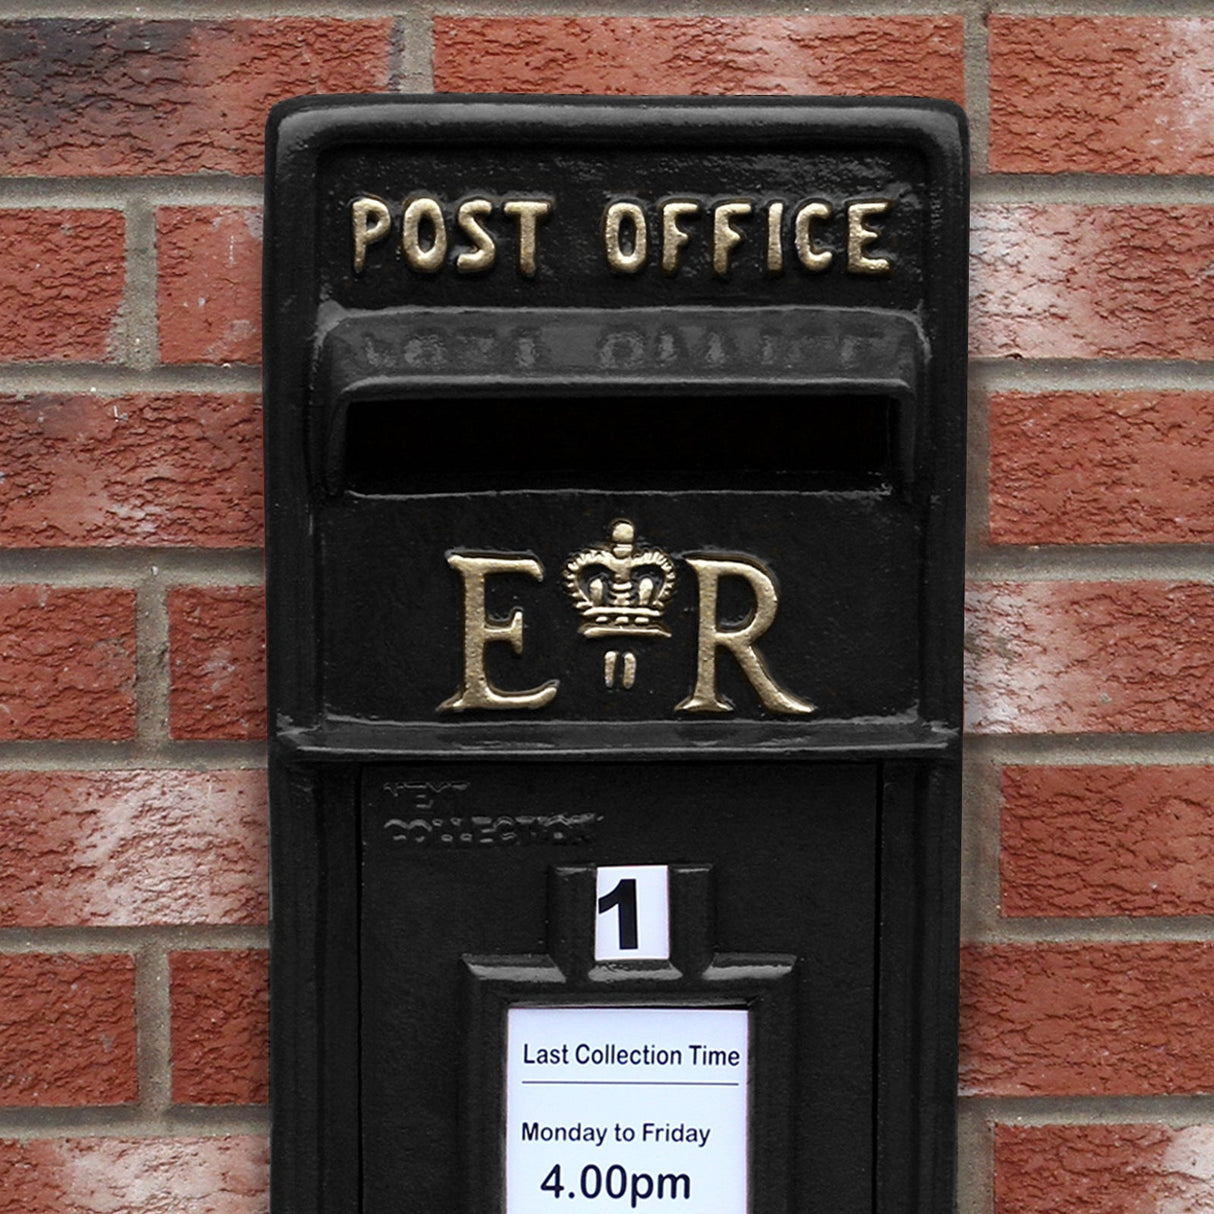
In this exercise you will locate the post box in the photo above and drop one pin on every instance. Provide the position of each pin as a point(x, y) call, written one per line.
point(615, 471)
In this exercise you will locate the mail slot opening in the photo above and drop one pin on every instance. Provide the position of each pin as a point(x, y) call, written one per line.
point(737, 441)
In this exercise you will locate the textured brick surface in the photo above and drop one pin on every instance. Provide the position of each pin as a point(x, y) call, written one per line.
point(68, 662)
point(217, 651)
point(120, 848)
point(1073, 657)
point(1087, 1019)
point(127, 99)
point(1104, 1169)
point(61, 280)
point(721, 55)
point(93, 471)
point(67, 1030)
point(1101, 467)
point(1115, 94)
point(209, 263)
point(220, 1027)
point(221, 1175)
point(1064, 281)
point(1108, 841)
point(135, 97)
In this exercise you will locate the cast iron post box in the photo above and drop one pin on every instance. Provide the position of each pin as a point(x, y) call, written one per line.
point(615, 491)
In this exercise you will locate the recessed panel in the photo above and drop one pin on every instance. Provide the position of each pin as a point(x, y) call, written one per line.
point(459, 862)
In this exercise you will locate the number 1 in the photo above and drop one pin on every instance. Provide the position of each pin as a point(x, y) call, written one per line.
point(624, 896)
point(631, 912)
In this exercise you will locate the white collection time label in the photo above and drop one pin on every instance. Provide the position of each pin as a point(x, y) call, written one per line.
point(627, 1108)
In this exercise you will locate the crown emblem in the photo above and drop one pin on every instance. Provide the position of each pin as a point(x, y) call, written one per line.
point(621, 590)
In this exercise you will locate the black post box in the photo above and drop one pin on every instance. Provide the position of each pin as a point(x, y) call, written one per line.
point(615, 492)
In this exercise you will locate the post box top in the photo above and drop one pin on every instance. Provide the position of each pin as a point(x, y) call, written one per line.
point(317, 122)
point(503, 333)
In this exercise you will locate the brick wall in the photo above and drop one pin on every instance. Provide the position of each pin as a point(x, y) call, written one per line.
point(132, 798)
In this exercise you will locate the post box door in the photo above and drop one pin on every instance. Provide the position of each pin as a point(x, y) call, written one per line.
point(789, 852)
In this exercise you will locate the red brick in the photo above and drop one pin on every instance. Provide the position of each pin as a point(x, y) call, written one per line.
point(86, 97)
point(706, 55)
point(1101, 467)
point(217, 647)
point(1104, 1169)
point(1113, 94)
point(62, 274)
point(1069, 281)
point(68, 658)
point(1080, 841)
point(1087, 1019)
point(215, 1175)
point(220, 1026)
point(90, 471)
point(67, 1030)
point(1077, 657)
point(121, 848)
point(209, 263)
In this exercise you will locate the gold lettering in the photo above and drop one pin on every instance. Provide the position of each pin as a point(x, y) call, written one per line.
point(480, 631)
point(469, 216)
point(673, 236)
point(739, 641)
point(613, 220)
point(371, 221)
point(424, 260)
point(812, 257)
point(529, 211)
point(724, 235)
point(860, 236)
point(775, 245)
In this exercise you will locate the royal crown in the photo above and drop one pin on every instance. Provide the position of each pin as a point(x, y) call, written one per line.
point(619, 589)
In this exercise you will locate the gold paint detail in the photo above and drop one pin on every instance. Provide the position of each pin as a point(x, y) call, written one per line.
point(724, 235)
point(628, 663)
point(484, 252)
point(812, 257)
point(673, 236)
point(620, 589)
point(613, 219)
point(480, 631)
point(775, 243)
point(371, 222)
point(423, 260)
point(529, 212)
point(738, 641)
point(429, 225)
point(860, 236)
